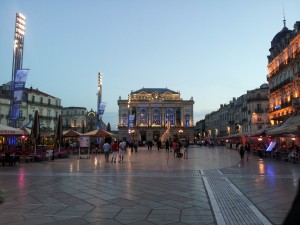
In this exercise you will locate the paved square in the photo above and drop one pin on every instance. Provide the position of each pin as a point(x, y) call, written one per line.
point(150, 187)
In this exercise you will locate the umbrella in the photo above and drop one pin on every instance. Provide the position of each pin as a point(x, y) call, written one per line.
point(71, 133)
point(59, 132)
point(98, 133)
point(35, 130)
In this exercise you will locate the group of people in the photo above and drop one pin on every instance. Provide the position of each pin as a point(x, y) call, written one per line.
point(177, 145)
point(117, 149)
point(244, 149)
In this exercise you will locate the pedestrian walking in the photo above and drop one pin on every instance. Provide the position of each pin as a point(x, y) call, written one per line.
point(149, 143)
point(135, 146)
point(131, 145)
point(122, 147)
point(167, 146)
point(248, 150)
point(186, 148)
point(175, 147)
point(158, 145)
point(106, 149)
point(115, 151)
point(241, 151)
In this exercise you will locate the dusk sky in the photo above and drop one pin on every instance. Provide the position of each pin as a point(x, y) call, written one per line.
point(211, 50)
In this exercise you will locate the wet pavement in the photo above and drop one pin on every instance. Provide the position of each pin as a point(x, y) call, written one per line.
point(150, 187)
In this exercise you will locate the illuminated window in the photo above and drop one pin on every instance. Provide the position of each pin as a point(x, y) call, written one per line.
point(156, 117)
point(124, 119)
point(143, 120)
point(187, 120)
point(170, 116)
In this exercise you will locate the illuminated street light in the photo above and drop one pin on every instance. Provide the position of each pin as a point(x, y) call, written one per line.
point(16, 65)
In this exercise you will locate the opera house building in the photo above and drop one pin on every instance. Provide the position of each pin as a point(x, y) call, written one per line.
point(146, 113)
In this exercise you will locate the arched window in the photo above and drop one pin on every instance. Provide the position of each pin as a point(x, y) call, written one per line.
point(187, 120)
point(170, 116)
point(124, 120)
point(143, 118)
point(156, 116)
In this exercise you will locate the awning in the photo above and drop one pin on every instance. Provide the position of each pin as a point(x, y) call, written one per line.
point(9, 131)
point(291, 126)
point(258, 133)
point(26, 130)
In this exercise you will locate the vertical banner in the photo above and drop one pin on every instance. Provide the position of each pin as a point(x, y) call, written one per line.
point(101, 109)
point(19, 85)
point(131, 119)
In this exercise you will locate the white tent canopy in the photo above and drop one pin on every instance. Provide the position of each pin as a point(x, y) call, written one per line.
point(9, 131)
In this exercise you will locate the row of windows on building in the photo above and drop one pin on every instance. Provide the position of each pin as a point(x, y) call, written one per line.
point(143, 117)
point(42, 100)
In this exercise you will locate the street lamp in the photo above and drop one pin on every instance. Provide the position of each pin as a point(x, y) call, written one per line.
point(132, 134)
point(180, 133)
point(16, 65)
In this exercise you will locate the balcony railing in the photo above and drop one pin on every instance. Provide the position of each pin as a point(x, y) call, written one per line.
point(262, 98)
point(280, 85)
point(43, 104)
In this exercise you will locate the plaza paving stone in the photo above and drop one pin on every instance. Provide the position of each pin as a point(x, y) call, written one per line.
point(150, 187)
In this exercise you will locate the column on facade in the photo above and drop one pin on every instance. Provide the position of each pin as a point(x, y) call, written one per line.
point(163, 116)
point(149, 115)
point(182, 117)
point(120, 119)
point(137, 116)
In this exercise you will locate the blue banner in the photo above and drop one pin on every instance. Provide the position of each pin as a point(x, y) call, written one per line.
point(19, 85)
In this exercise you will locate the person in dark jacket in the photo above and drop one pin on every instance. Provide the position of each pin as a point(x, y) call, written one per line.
point(293, 217)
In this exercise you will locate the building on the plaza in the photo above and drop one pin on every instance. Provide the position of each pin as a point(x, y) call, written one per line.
point(74, 118)
point(149, 109)
point(258, 109)
point(243, 115)
point(199, 130)
point(49, 107)
point(284, 74)
point(79, 119)
point(91, 121)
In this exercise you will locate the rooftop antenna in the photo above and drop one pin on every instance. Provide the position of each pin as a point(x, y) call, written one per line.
point(283, 15)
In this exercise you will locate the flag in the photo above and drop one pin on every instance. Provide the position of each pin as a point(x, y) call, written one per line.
point(101, 109)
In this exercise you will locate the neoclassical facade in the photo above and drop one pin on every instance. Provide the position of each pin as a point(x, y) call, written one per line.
point(284, 74)
point(143, 116)
point(48, 106)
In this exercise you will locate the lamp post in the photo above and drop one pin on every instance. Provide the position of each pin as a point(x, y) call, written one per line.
point(132, 132)
point(180, 133)
point(16, 65)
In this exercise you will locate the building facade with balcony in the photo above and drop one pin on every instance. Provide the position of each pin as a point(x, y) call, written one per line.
point(258, 108)
point(144, 115)
point(284, 74)
point(243, 115)
point(74, 118)
point(48, 106)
